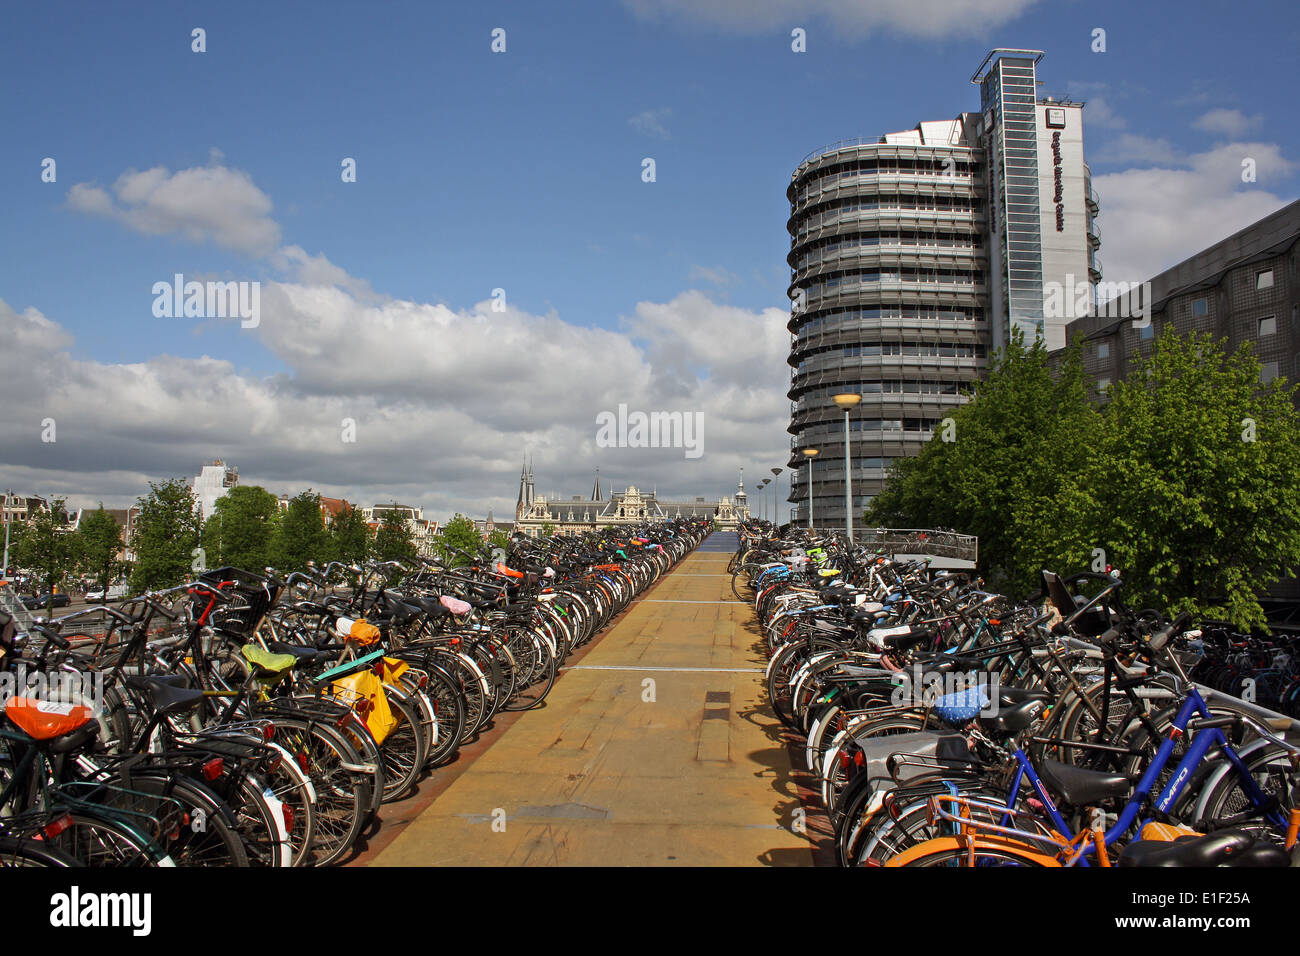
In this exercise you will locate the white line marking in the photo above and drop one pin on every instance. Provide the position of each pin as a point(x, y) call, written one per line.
point(684, 670)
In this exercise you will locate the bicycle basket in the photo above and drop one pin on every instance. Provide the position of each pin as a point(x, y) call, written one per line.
point(253, 596)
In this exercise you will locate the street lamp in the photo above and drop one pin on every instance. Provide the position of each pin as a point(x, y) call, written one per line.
point(4, 575)
point(776, 493)
point(810, 454)
point(846, 401)
point(762, 498)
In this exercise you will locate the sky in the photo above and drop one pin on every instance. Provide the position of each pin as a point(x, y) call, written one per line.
point(501, 272)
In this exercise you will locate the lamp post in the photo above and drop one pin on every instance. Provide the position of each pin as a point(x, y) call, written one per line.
point(762, 498)
point(810, 454)
point(846, 401)
point(4, 575)
point(776, 492)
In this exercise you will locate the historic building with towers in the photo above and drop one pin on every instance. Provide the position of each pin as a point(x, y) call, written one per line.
point(628, 508)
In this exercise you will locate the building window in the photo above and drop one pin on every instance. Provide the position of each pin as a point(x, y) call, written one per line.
point(1200, 307)
point(1268, 372)
point(1268, 325)
point(1148, 331)
point(1103, 350)
point(1102, 385)
point(1264, 280)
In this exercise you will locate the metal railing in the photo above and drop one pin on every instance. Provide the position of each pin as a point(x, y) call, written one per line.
point(947, 544)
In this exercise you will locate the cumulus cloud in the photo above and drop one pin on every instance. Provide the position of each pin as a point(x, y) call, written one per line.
point(204, 204)
point(445, 402)
point(651, 123)
point(1135, 148)
point(1227, 122)
point(1154, 218)
point(924, 18)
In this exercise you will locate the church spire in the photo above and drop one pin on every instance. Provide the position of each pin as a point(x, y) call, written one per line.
point(521, 504)
point(595, 491)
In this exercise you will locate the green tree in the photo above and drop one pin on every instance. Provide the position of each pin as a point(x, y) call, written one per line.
point(460, 533)
point(394, 540)
point(46, 546)
point(1193, 488)
point(301, 536)
point(241, 528)
point(1022, 439)
point(350, 536)
point(499, 539)
point(166, 537)
point(547, 530)
point(101, 542)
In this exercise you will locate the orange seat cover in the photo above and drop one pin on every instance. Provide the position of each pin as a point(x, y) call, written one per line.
point(43, 720)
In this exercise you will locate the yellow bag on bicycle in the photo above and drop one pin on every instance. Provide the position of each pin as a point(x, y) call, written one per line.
point(391, 669)
point(365, 692)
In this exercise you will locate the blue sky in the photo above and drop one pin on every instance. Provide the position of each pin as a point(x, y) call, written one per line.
point(522, 171)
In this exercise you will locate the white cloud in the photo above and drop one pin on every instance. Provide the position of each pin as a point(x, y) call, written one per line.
point(1152, 219)
point(716, 276)
point(203, 204)
point(1135, 148)
point(1097, 111)
point(924, 18)
point(446, 402)
point(1227, 122)
point(651, 122)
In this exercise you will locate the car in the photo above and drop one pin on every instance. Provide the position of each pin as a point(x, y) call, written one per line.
point(34, 601)
point(115, 592)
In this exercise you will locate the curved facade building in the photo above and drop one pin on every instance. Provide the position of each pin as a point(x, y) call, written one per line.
point(915, 256)
point(889, 301)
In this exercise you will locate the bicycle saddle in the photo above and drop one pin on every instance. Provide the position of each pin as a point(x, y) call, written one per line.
point(303, 655)
point(1009, 721)
point(1077, 786)
point(1224, 848)
point(168, 694)
point(69, 726)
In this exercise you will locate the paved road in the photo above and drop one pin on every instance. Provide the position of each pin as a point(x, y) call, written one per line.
point(655, 750)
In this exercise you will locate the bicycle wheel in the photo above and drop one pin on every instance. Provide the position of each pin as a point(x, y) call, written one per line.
point(16, 851)
point(944, 851)
point(404, 749)
point(207, 834)
point(1228, 804)
point(343, 795)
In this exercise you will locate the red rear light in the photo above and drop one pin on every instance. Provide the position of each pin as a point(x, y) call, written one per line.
point(289, 818)
point(859, 759)
point(302, 761)
point(57, 826)
point(268, 732)
point(844, 759)
point(214, 768)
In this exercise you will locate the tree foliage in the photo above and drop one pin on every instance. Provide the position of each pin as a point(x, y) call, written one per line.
point(350, 536)
point(100, 546)
point(301, 536)
point(459, 533)
point(47, 547)
point(166, 536)
point(240, 531)
point(1186, 481)
point(394, 540)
